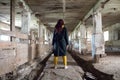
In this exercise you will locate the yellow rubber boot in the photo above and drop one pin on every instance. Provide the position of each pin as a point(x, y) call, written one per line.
point(65, 61)
point(55, 62)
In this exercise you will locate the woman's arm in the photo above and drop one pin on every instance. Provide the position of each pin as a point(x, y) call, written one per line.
point(66, 37)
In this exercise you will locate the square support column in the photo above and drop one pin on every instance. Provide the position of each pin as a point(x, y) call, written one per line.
point(40, 45)
point(41, 34)
point(97, 37)
point(26, 18)
point(82, 41)
point(45, 38)
point(25, 29)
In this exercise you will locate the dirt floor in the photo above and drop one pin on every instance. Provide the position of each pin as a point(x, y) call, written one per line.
point(109, 64)
point(108, 68)
point(81, 67)
point(74, 72)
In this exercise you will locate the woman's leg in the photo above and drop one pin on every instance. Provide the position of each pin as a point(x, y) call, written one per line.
point(55, 61)
point(65, 61)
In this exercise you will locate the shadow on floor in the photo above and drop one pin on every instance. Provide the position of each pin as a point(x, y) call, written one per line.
point(88, 67)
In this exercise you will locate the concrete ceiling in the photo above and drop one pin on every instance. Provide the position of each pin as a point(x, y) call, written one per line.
point(75, 10)
point(52, 10)
point(5, 14)
point(4, 10)
point(110, 14)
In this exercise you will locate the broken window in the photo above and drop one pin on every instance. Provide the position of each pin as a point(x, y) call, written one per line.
point(106, 35)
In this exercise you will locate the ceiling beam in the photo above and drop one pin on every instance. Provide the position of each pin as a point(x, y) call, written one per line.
point(24, 5)
point(64, 8)
point(99, 5)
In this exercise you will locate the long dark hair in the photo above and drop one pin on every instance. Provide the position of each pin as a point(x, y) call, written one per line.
point(59, 24)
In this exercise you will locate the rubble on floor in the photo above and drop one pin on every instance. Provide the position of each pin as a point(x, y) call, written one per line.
point(73, 72)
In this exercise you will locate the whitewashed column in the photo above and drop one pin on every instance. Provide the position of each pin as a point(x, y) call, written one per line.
point(79, 34)
point(26, 18)
point(83, 38)
point(97, 37)
point(46, 36)
point(41, 34)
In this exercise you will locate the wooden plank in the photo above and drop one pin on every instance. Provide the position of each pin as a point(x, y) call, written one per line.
point(22, 36)
point(7, 33)
point(12, 55)
point(12, 15)
point(7, 61)
point(7, 45)
point(22, 54)
point(14, 34)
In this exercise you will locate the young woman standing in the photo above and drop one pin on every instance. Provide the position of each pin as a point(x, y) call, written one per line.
point(60, 43)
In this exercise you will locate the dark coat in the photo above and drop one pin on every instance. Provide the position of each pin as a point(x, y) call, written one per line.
point(59, 42)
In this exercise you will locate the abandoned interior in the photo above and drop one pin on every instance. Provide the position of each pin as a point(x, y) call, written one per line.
point(26, 32)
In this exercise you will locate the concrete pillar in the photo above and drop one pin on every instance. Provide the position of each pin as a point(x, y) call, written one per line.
point(79, 41)
point(40, 30)
point(45, 34)
point(79, 45)
point(26, 17)
point(32, 53)
point(97, 37)
point(41, 34)
point(82, 40)
point(39, 27)
point(73, 35)
point(70, 37)
point(40, 45)
point(25, 28)
point(74, 40)
point(71, 42)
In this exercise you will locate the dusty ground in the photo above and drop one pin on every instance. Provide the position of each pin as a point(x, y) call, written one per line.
point(109, 64)
point(74, 72)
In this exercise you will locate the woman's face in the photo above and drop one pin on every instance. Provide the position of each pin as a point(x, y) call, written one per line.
point(62, 26)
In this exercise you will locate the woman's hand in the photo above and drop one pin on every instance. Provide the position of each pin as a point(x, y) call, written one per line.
point(67, 46)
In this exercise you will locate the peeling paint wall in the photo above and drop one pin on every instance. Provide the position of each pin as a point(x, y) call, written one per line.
point(113, 45)
point(14, 54)
point(6, 26)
